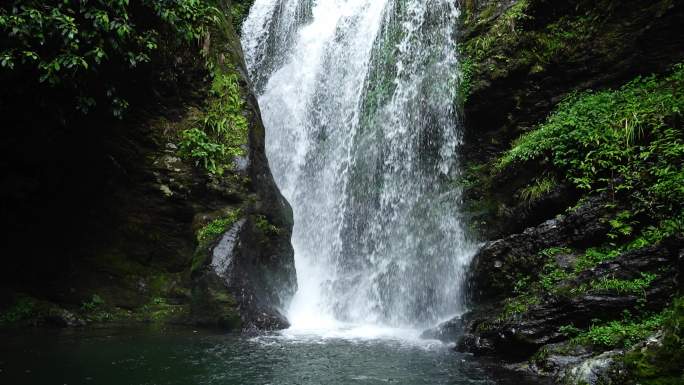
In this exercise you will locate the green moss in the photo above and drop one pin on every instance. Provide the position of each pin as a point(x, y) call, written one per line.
point(217, 227)
point(93, 304)
point(503, 31)
point(465, 80)
point(265, 227)
point(96, 310)
point(159, 311)
point(507, 41)
point(621, 334)
point(208, 234)
point(22, 309)
point(661, 364)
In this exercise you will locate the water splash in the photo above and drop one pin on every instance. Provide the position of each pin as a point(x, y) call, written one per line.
point(358, 98)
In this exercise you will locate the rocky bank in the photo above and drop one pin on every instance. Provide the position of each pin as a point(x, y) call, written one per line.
point(120, 220)
point(577, 280)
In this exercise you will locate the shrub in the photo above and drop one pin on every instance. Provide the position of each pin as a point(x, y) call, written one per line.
point(217, 227)
point(621, 334)
point(95, 302)
point(86, 49)
point(626, 140)
point(22, 309)
point(221, 134)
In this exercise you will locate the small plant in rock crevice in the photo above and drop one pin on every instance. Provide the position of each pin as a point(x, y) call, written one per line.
point(218, 226)
point(93, 304)
point(265, 226)
point(536, 189)
point(220, 134)
point(621, 333)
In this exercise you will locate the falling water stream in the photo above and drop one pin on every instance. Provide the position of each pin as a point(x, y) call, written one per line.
point(359, 101)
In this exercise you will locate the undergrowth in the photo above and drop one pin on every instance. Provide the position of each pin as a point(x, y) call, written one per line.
point(622, 333)
point(627, 141)
point(662, 363)
point(220, 135)
point(217, 227)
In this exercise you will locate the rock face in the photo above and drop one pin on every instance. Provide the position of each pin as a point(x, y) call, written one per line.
point(546, 268)
point(125, 216)
point(261, 277)
point(541, 323)
point(447, 331)
point(520, 67)
point(498, 263)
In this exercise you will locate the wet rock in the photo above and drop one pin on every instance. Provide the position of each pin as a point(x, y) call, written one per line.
point(447, 331)
point(591, 371)
point(486, 332)
point(62, 318)
point(499, 263)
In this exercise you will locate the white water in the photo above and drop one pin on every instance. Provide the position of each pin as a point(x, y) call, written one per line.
point(358, 98)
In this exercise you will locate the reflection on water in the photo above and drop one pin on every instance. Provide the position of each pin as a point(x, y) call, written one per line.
point(185, 357)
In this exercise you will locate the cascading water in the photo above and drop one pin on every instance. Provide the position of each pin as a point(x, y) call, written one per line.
point(358, 98)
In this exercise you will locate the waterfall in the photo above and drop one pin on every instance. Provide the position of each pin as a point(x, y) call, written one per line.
point(359, 102)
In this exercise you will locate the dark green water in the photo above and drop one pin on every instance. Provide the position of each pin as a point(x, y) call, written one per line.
point(185, 357)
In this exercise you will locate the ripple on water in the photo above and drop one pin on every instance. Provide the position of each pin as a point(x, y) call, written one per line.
point(355, 355)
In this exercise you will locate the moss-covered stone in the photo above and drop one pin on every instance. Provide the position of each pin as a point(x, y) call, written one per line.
point(660, 361)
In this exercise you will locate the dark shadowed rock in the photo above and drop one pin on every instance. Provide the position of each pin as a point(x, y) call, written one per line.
point(519, 336)
point(498, 263)
point(447, 331)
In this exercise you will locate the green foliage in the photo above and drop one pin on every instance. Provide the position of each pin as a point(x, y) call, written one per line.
point(623, 333)
point(569, 330)
point(465, 79)
point(626, 140)
point(221, 134)
point(554, 251)
point(95, 302)
point(551, 273)
point(502, 32)
point(653, 234)
point(622, 225)
point(517, 305)
point(22, 309)
point(239, 11)
point(158, 310)
point(662, 364)
point(593, 256)
point(536, 189)
point(621, 286)
point(511, 41)
point(552, 276)
point(266, 227)
point(217, 227)
point(73, 45)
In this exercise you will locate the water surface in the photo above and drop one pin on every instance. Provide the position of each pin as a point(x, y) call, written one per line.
point(186, 357)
